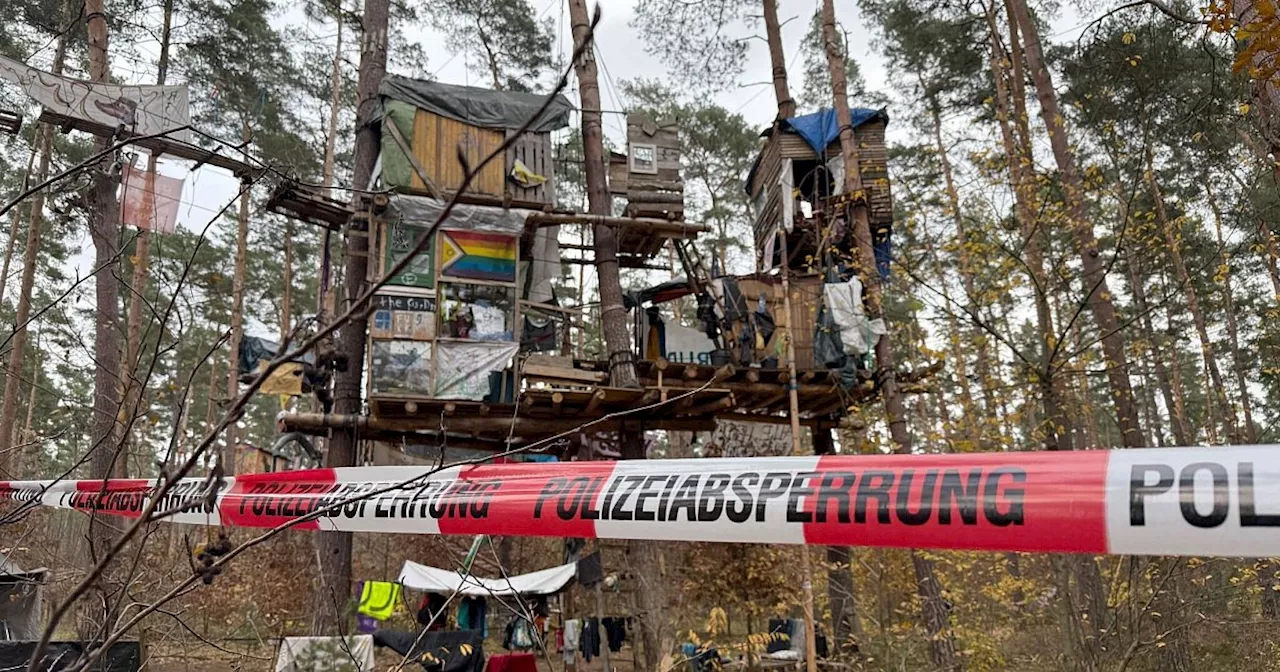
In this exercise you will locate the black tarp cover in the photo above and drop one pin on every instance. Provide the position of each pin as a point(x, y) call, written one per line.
point(121, 657)
point(485, 108)
point(439, 651)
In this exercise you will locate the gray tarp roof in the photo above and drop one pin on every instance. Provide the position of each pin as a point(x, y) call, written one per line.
point(485, 108)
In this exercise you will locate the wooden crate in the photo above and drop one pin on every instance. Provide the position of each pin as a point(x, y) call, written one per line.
point(534, 150)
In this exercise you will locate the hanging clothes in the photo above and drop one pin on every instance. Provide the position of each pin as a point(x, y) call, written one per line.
point(858, 335)
point(432, 604)
point(378, 599)
point(655, 344)
point(572, 635)
point(590, 644)
point(615, 630)
point(472, 615)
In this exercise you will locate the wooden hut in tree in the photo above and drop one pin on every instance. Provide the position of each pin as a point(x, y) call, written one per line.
point(426, 123)
point(800, 169)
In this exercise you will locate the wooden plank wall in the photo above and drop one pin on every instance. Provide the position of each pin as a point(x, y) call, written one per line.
point(873, 160)
point(435, 144)
point(806, 297)
point(534, 150)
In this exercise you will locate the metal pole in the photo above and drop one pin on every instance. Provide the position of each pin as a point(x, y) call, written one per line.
point(810, 635)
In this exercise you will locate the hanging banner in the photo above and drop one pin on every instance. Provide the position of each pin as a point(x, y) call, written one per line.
point(141, 110)
point(1184, 501)
point(150, 201)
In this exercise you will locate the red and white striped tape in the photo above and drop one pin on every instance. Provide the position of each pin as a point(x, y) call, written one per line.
point(1182, 501)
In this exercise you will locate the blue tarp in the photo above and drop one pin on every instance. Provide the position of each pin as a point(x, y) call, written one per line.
point(820, 128)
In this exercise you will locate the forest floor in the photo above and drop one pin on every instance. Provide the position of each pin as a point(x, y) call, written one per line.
point(204, 658)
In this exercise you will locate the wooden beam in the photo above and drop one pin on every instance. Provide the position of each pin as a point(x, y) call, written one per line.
point(660, 227)
point(158, 146)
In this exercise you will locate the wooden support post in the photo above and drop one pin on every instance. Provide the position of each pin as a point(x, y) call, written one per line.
point(810, 656)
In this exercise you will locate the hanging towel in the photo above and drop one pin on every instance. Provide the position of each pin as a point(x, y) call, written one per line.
point(572, 634)
point(378, 599)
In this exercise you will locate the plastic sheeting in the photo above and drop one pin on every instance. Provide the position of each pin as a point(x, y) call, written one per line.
point(821, 128)
point(857, 334)
point(330, 654)
point(463, 367)
point(424, 211)
point(485, 108)
point(445, 581)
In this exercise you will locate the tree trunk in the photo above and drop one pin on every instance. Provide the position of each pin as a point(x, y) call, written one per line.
point(231, 444)
point(104, 228)
point(132, 392)
point(936, 612)
point(330, 146)
point(622, 372)
point(286, 297)
point(335, 547)
point(778, 60)
point(1173, 242)
point(11, 462)
point(841, 590)
point(1083, 632)
point(1095, 280)
point(15, 220)
point(1249, 432)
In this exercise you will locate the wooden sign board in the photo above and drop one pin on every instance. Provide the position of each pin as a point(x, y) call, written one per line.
point(403, 317)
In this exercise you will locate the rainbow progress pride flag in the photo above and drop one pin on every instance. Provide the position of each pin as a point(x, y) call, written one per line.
point(475, 255)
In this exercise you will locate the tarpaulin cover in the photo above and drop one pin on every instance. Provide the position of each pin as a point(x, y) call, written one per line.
point(446, 581)
point(120, 657)
point(821, 128)
point(443, 651)
point(325, 654)
point(1221, 501)
point(423, 212)
point(485, 108)
point(660, 293)
point(818, 129)
point(463, 367)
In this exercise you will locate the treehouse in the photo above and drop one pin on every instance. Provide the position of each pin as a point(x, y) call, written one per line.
point(467, 342)
point(800, 172)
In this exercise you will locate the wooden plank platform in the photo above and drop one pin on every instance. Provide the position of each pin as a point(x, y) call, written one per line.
point(10, 121)
point(309, 205)
point(159, 146)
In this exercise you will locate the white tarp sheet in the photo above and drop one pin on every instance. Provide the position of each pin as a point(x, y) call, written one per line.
point(463, 367)
point(325, 654)
point(857, 334)
point(143, 110)
point(436, 580)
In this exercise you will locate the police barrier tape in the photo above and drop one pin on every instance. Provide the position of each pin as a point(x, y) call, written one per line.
point(1181, 501)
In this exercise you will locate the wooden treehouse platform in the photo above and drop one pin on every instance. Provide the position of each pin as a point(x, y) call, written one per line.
point(673, 396)
point(159, 145)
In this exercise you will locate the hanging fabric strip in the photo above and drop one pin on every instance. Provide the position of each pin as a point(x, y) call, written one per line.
point(1181, 501)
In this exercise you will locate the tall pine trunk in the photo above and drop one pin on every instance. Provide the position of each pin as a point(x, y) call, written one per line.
point(1173, 243)
point(231, 443)
point(132, 392)
point(335, 547)
point(1249, 432)
point(936, 612)
point(777, 60)
point(1098, 294)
